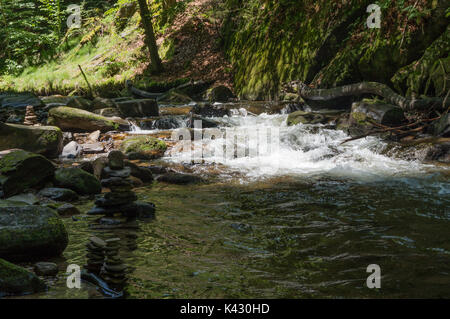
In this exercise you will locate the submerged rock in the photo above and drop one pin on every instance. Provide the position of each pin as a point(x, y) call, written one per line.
point(68, 210)
point(20, 170)
point(15, 280)
point(46, 269)
point(77, 180)
point(180, 179)
point(30, 231)
point(72, 119)
point(45, 140)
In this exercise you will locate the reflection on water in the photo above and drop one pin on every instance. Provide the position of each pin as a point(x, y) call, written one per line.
point(287, 237)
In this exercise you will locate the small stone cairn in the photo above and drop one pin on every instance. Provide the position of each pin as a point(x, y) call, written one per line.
point(121, 198)
point(30, 116)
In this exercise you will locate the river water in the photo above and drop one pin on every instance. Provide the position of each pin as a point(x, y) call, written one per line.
point(303, 219)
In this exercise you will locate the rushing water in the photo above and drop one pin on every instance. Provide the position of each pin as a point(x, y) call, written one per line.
point(303, 219)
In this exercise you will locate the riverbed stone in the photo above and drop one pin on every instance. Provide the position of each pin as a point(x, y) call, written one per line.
point(28, 198)
point(76, 120)
point(77, 180)
point(219, 93)
point(71, 150)
point(19, 100)
point(147, 146)
point(68, 210)
point(45, 269)
point(143, 173)
point(138, 108)
point(30, 231)
point(15, 280)
point(116, 160)
point(20, 170)
point(59, 194)
point(45, 140)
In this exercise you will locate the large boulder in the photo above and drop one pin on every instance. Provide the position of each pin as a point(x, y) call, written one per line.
point(76, 120)
point(20, 170)
point(31, 231)
point(146, 146)
point(77, 180)
point(138, 108)
point(367, 112)
point(19, 100)
point(46, 140)
point(15, 280)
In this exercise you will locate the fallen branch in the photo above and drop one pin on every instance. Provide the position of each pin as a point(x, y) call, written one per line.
point(318, 96)
point(91, 92)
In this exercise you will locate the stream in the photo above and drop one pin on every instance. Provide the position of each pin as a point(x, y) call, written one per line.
point(302, 220)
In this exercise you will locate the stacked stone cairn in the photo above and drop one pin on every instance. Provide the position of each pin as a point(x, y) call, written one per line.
point(30, 116)
point(121, 198)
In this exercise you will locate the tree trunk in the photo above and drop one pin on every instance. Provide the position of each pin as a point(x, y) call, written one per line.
point(150, 41)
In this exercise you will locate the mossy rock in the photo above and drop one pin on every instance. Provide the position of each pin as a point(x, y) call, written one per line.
point(75, 120)
point(219, 93)
point(15, 280)
point(146, 146)
point(77, 180)
point(27, 232)
point(20, 170)
point(45, 140)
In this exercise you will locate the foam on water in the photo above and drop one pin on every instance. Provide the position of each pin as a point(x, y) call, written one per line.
point(300, 150)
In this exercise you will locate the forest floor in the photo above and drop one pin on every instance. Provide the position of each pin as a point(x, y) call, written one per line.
point(190, 49)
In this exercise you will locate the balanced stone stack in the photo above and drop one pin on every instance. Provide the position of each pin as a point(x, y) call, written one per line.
point(114, 270)
point(121, 198)
point(96, 255)
point(30, 116)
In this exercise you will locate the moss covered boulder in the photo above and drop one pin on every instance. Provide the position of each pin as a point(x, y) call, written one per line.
point(31, 231)
point(46, 140)
point(143, 147)
point(219, 93)
point(77, 180)
point(76, 120)
point(20, 170)
point(15, 280)
point(367, 112)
